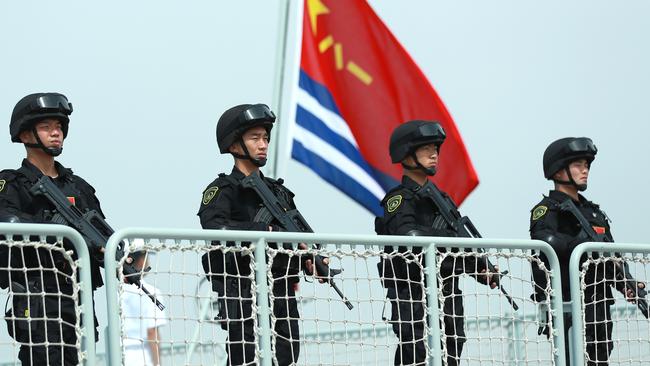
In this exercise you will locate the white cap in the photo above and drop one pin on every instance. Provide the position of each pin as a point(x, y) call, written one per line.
point(135, 245)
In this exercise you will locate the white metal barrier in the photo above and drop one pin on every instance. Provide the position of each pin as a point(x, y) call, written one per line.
point(330, 333)
point(596, 270)
point(45, 319)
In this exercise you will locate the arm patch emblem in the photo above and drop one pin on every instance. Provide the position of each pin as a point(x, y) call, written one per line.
point(209, 194)
point(539, 211)
point(2, 184)
point(393, 203)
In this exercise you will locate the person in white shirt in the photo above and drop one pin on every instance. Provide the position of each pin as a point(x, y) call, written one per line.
point(142, 319)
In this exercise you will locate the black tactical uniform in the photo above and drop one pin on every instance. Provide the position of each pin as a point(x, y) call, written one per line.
point(227, 205)
point(18, 205)
point(563, 232)
point(408, 212)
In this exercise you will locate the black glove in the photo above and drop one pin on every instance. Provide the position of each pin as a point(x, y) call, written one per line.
point(544, 326)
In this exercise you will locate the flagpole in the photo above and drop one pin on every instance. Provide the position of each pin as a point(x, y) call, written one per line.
point(280, 57)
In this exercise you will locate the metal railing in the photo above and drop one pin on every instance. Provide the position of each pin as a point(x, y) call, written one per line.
point(259, 248)
point(601, 253)
point(259, 242)
point(84, 275)
point(260, 239)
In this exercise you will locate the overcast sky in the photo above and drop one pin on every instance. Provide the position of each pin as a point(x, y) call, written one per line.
point(149, 79)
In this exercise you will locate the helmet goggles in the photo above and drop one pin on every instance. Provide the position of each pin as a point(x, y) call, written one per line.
point(581, 146)
point(430, 132)
point(258, 112)
point(49, 103)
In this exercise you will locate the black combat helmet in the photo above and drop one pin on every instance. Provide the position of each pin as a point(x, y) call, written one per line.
point(237, 120)
point(37, 107)
point(408, 136)
point(561, 153)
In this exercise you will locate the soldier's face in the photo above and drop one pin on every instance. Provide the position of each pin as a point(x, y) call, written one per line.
point(49, 131)
point(256, 140)
point(579, 170)
point(427, 155)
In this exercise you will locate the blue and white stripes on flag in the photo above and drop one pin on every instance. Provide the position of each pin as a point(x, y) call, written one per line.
point(323, 141)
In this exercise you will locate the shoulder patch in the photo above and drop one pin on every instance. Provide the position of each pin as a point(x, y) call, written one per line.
point(393, 203)
point(209, 194)
point(2, 184)
point(539, 211)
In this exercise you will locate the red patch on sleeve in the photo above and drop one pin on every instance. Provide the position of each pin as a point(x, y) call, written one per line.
point(599, 230)
point(72, 200)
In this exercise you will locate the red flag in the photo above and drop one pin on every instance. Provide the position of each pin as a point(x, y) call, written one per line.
point(376, 86)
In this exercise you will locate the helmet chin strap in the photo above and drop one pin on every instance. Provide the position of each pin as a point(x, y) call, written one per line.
point(52, 151)
point(247, 156)
point(428, 171)
point(571, 181)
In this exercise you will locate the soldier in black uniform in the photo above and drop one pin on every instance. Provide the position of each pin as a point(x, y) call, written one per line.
point(567, 162)
point(243, 131)
point(416, 145)
point(40, 122)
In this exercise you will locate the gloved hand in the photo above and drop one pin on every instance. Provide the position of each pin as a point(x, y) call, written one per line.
point(544, 324)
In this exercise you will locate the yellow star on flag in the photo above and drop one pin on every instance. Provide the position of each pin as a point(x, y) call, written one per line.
point(315, 8)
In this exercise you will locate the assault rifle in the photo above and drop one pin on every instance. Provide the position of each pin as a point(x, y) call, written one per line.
point(92, 227)
point(292, 220)
point(621, 272)
point(463, 227)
